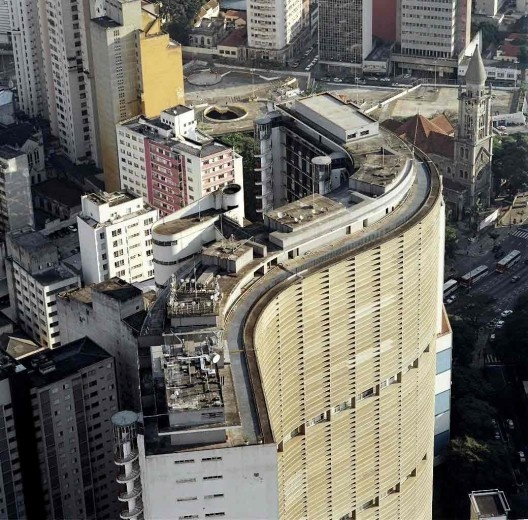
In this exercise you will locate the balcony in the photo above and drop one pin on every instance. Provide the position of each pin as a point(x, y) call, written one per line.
point(129, 495)
point(132, 514)
point(123, 478)
point(131, 457)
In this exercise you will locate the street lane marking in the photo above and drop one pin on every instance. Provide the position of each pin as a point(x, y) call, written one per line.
point(521, 234)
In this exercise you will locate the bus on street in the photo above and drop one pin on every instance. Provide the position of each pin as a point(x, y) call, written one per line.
point(450, 287)
point(510, 259)
point(473, 276)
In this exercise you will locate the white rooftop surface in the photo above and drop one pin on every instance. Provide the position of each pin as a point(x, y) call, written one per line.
point(344, 116)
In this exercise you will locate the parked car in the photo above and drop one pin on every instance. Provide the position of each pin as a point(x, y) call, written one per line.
point(338, 80)
point(450, 300)
point(385, 80)
point(506, 313)
point(492, 337)
point(515, 278)
point(407, 76)
point(509, 424)
point(522, 458)
point(295, 65)
point(499, 324)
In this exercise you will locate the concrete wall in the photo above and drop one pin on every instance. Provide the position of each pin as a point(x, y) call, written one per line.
point(102, 323)
point(245, 487)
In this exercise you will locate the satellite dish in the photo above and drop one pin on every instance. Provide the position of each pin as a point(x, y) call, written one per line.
point(216, 359)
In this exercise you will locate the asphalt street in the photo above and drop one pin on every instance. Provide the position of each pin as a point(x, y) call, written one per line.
point(495, 284)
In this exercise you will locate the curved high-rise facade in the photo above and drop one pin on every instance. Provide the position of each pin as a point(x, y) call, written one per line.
point(346, 355)
point(299, 367)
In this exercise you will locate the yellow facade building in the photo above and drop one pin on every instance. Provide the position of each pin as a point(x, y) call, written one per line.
point(128, 83)
point(161, 67)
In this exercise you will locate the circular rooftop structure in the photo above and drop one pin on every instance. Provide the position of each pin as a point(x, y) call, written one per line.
point(204, 78)
point(125, 418)
point(227, 113)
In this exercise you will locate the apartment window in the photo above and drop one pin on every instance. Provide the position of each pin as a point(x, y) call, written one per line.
point(186, 499)
point(367, 393)
point(216, 495)
point(184, 461)
point(210, 515)
point(213, 477)
point(207, 459)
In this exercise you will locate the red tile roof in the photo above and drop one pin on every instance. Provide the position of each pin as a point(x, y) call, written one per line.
point(235, 38)
point(431, 136)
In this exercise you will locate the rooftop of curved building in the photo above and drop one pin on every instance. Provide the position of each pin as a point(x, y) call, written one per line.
point(245, 391)
point(369, 218)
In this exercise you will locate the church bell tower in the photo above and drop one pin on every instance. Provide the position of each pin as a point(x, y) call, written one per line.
point(473, 138)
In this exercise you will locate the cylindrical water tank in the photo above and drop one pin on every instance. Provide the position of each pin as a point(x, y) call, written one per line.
point(232, 196)
point(321, 168)
point(263, 128)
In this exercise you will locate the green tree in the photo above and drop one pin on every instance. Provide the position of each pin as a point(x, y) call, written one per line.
point(490, 33)
point(512, 343)
point(510, 162)
point(179, 15)
point(245, 145)
point(451, 241)
point(464, 339)
point(470, 465)
point(472, 416)
point(469, 382)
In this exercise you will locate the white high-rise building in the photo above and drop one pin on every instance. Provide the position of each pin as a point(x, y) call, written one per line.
point(62, 28)
point(114, 237)
point(52, 71)
point(274, 27)
point(35, 275)
point(437, 29)
point(27, 51)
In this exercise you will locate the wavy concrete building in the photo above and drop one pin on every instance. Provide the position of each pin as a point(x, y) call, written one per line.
point(289, 368)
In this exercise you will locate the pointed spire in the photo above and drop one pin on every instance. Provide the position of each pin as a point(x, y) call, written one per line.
point(476, 73)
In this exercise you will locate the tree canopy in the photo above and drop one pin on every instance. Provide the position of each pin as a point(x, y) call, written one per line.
point(512, 343)
point(451, 241)
point(490, 33)
point(472, 464)
point(510, 161)
point(179, 14)
point(244, 144)
point(464, 339)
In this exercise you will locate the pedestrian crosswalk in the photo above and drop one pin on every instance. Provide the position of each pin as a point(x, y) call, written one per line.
point(521, 234)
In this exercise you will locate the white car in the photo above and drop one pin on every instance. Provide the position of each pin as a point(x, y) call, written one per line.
point(506, 313)
point(338, 80)
point(386, 80)
point(500, 324)
point(522, 458)
point(307, 69)
point(450, 300)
